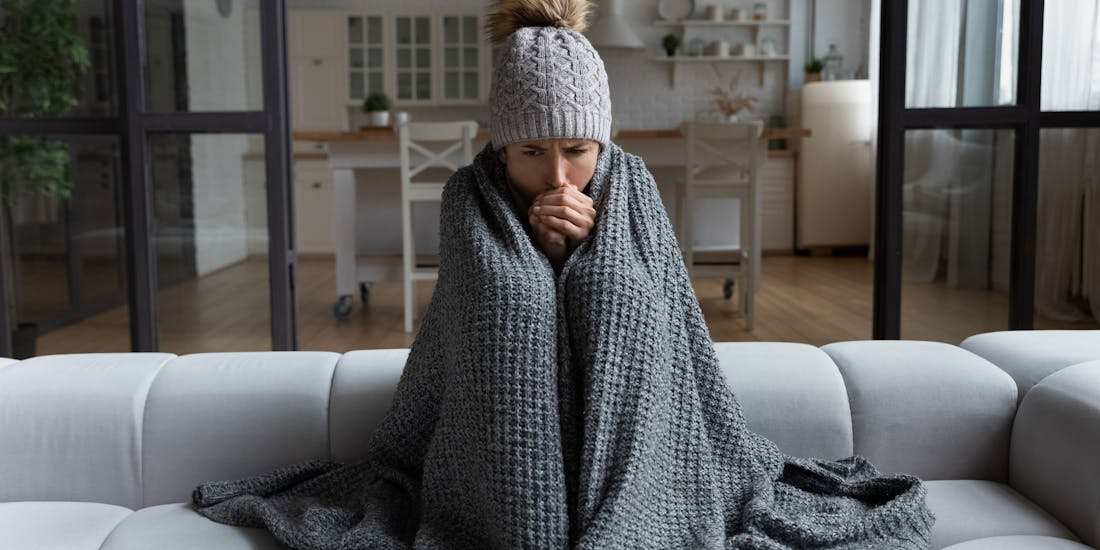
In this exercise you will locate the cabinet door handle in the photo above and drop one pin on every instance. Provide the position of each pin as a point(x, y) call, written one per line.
point(317, 62)
point(316, 185)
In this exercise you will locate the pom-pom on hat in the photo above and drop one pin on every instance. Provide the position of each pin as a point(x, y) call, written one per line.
point(548, 82)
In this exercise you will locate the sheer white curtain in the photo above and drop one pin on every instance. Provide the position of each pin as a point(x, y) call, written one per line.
point(1068, 248)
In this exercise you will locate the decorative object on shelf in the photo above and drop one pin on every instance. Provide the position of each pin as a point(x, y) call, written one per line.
point(714, 12)
point(377, 106)
point(719, 48)
point(813, 69)
point(744, 49)
point(834, 64)
point(670, 42)
point(729, 101)
point(768, 46)
point(760, 11)
point(675, 10)
point(695, 47)
point(739, 14)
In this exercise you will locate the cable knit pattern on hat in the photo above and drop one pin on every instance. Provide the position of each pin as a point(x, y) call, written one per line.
point(549, 82)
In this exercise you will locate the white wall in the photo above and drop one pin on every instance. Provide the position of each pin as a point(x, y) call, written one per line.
point(215, 68)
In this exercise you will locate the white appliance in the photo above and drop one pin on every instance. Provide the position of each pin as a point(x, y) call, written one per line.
point(835, 180)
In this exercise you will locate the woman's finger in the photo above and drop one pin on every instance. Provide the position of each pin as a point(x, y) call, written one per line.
point(579, 219)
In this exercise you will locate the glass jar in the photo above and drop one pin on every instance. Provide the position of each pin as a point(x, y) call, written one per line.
point(834, 64)
point(760, 11)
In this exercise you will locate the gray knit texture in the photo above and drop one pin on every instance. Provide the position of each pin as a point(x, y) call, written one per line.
point(580, 409)
point(549, 82)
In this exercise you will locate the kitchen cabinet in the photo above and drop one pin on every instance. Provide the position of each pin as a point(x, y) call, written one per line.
point(318, 97)
point(313, 206)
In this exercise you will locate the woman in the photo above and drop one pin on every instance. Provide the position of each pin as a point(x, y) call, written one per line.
point(563, 390)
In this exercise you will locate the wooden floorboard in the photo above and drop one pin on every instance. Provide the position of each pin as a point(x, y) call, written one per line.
point(814, 300)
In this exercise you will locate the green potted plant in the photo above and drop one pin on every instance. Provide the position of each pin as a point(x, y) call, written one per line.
point(670, 42)
point(42, 59)
point(377, 106)
point(813, 69)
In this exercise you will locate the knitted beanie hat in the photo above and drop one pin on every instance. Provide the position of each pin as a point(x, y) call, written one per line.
point(548, 82)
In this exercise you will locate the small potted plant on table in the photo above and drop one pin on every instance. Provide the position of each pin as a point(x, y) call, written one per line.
point(377, 106)
point(670, 42)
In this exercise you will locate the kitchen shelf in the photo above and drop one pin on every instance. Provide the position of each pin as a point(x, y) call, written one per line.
point(724, 23)
point(760, 60)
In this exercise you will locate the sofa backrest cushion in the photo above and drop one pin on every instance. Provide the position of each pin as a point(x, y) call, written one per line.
point(362, 390)
point(926, 408)
point(215, 416)
point(1055, 458)
point(792, 394)
point(1031, 355)
point(71, 427)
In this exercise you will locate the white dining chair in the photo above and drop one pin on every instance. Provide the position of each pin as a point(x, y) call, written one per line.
point(723, 160)
point(424, 146)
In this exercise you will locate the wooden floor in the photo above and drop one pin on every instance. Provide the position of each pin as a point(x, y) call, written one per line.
point(815, 300)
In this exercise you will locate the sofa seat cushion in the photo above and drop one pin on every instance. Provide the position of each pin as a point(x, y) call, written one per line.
point(58, 525)
point(974, 509)
point(1019, 543)
point(179, 527)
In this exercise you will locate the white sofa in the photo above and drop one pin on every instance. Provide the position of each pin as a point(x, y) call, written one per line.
point(102, 451)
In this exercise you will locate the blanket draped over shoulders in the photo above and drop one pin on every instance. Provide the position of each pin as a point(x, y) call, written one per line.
point(582, 408)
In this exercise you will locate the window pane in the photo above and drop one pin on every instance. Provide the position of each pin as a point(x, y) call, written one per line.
point(355, 85)
point(450, 29)
point(210, 207)
point(1071, 56)
point(374, 58)
point(423, 36)
point(355, 58)
point(423, 58)
point(450, 84)
point(404, 85)
point(374, 30)
point(374, 82)
point(69, 255)
point(956, 233)
point(961, 53)
point(355, 29)
point(470, 88)
point(450, 57)
point(74, 91)
point(469, 58)
point(423, 85)
point(469, 35)
point(404, 58)
point(200, 59)
point(404, 30)
point(1067, 249)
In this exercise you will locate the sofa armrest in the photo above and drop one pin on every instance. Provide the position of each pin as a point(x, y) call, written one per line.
point(1055, 449)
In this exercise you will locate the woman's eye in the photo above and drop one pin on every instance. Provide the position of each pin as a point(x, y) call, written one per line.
point(578, 151)
point(531, 153)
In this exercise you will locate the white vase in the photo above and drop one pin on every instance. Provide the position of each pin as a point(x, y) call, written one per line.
point(732, 118)
point(378, 118)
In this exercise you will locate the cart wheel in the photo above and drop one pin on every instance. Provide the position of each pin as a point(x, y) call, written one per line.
point(342, 307)
point(364, 293)
point(727, 289)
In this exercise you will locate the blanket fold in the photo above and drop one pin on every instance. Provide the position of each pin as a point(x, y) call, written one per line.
point(579, 409)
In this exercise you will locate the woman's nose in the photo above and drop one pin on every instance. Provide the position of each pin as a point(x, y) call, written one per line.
point(558, 171)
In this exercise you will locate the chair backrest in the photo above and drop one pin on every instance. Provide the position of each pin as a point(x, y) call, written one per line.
point(729, 151)
point(725, 158)
point(444, 146)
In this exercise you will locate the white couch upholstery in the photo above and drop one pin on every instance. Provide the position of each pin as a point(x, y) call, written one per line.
point(100, 451)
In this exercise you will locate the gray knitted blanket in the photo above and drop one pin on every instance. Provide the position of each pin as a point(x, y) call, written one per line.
point(580, 409)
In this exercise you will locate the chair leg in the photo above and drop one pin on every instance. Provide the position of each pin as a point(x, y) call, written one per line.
point(407, 262)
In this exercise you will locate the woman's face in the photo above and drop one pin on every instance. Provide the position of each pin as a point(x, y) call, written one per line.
point(541, 165)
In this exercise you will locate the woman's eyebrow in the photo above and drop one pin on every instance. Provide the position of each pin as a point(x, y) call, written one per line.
point(535, 147)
